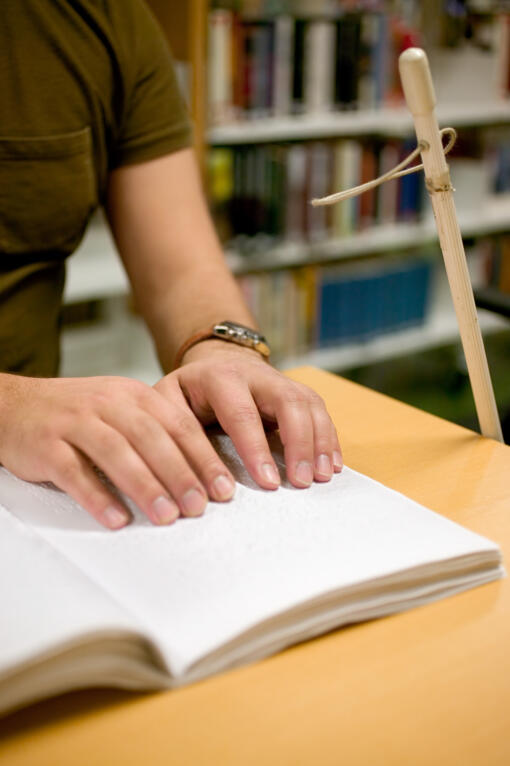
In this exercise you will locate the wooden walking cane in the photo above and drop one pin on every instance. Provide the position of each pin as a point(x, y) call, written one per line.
point(420, 98)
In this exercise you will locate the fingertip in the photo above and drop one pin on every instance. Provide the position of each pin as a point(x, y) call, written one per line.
point(270, 476)
point(338, 462)
point(323, 468)
point(164, 511)
point(223, 488)
point(303, 474)
point(114, 518)
point(193, 502)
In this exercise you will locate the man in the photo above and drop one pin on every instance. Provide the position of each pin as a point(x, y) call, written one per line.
point(91, 115)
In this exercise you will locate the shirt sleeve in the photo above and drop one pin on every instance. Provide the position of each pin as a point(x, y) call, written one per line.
point(154, 120)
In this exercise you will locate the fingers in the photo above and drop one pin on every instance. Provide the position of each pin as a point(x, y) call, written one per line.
point(338, 461)
point(184, 428)
point(243, 395)
point(153, 448)
point(149, 457)
point(297, 434)
point(74, 475)
point(237, 413)
point(312, 449)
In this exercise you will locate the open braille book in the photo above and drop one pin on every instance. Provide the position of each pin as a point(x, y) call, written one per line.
point(154, 607)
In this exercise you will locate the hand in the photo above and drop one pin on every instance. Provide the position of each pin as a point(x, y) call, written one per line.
point(236, 387)
point(151, 446)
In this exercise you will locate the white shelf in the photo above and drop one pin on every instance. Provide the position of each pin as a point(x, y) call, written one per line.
point(493, 218)
point(95, 270)
point(440, 329)
point(385, 122)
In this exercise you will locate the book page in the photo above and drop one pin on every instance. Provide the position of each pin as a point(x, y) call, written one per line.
point(46, 603)
point(200, 582)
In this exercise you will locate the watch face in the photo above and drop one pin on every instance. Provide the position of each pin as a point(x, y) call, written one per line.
point(244, 336)
point(237, 332)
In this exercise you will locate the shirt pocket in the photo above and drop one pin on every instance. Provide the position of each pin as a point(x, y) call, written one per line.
point(48, 191)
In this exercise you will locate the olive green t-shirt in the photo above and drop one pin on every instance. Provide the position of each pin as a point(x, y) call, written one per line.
point(86, 86)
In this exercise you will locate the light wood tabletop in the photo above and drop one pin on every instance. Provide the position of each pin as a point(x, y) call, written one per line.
point(430, 686)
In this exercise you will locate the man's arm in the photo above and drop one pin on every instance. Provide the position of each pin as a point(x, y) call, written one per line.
point(149, 440)
point(182, 285)
point(170, 250)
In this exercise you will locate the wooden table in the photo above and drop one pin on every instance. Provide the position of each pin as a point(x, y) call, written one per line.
point(431, 686)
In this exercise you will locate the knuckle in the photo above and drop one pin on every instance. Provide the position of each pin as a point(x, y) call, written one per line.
point(293, 397)
point(322, 444)
point(245, 415)
point(184, 424)
point(315, 399)
point(309, 395)
point(228, 370)
point(97, 399)
point(67, 469)
point(109, 442)
point(210, 466)
point(143, 488)
point(142, 429)
point(46, 432)
point(301, 443)
point(133, 388)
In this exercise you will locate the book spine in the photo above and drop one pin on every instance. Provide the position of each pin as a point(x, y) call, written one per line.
point(238, 67)
point(282, 65)
point(220, 66)
point(368, 172)
point(388, 192)
point(296, 182)
point(298, 70)
point(320, 180)
point(319, 70)
point(381, 59)
point(348, 39)
point(249, 71)
point(367, 92)
point(504, 269)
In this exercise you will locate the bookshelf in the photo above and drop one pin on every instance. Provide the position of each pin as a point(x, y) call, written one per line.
point(95, 270)
point(95, 273)
point(384, 122)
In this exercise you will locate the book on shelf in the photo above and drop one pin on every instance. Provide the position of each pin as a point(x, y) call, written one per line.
point(153, 608)
point(497, 264)
point(271, 185)
point(301, 58)
point(362, 301)
point(303, 309)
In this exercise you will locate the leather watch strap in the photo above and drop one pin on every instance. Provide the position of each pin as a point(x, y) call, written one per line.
point(230, 332)
point(196, 338)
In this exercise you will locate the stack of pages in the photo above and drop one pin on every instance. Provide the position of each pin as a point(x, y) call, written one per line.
point(153, 607)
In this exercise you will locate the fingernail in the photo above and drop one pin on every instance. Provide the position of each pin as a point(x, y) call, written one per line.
point(323, 466)
point(194, 502)
point(164, 510)
point(114, 518)
point(270, 474)
point(223, 487)
point(304, 473)
point(337, 460)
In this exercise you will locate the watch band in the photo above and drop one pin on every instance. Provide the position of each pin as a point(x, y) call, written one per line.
point(221, 331)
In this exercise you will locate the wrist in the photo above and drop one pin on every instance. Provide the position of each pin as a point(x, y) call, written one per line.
point(215, 347)
point(226, 333)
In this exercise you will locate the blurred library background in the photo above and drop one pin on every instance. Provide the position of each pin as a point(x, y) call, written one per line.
point(295, 99)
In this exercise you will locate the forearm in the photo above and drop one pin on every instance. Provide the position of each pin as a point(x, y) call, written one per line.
point(194, 299)
point(176, 266)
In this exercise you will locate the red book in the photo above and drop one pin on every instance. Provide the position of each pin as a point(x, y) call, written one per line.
point(368, 173)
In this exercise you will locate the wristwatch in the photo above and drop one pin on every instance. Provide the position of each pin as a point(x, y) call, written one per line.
point(230, 332)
